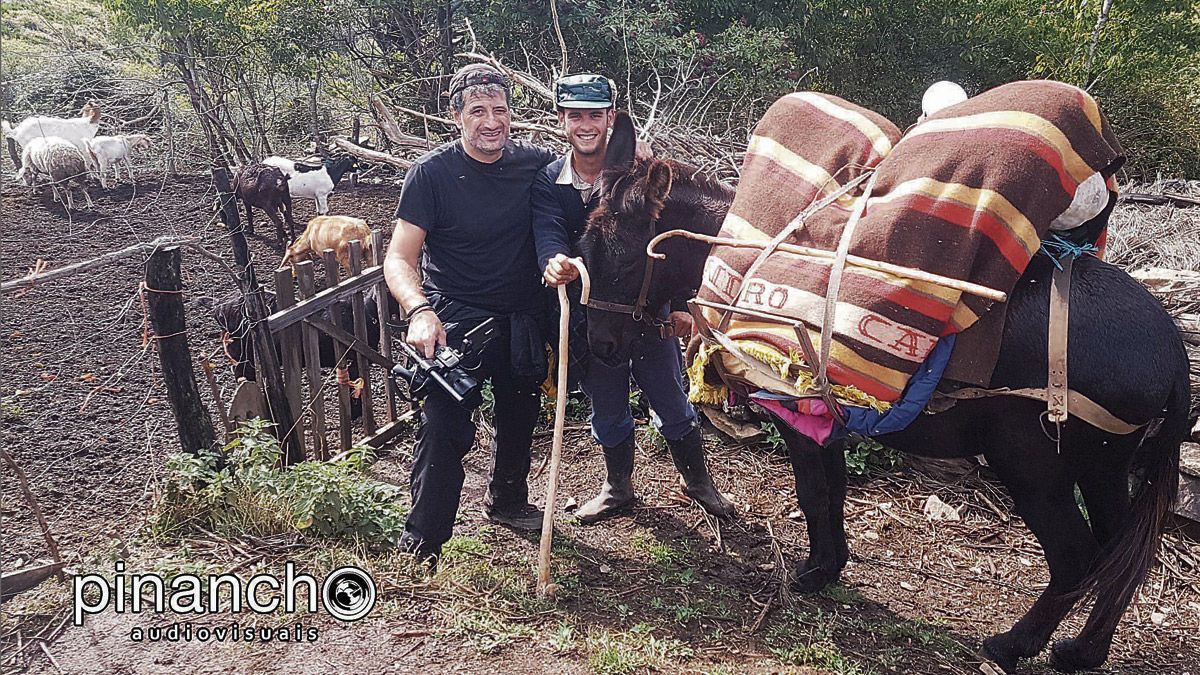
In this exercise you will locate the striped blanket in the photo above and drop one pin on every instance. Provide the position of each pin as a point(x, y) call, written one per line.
point(967, 194)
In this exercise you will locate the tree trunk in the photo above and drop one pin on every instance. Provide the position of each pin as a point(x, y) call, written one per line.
point(1100, 22)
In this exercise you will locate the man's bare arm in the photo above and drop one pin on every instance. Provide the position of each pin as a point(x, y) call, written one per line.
point(400, 270)
point(400, 266)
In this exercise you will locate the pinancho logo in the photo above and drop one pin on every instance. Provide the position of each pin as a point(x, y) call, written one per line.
point(347, 593)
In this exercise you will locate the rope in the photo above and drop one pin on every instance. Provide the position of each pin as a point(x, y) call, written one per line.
point(1058, 248)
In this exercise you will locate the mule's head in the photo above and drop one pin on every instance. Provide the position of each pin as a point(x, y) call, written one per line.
point(632, 196)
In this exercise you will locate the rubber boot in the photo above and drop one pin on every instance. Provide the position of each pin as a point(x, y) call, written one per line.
point(688, 454)
point(617, 492)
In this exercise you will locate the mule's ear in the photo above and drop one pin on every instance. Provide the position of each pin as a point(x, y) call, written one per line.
point(621, 145)
point(658, 186)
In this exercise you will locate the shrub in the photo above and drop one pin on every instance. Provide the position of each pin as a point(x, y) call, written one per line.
point(243, 491)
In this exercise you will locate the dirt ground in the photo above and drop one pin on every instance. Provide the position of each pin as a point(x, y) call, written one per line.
point(662, 588)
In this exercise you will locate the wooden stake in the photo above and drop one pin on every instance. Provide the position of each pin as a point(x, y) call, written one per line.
point(828, 257)
point(23, 481)
point(164, 289)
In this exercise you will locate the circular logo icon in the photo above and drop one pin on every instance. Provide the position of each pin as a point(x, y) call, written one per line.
point(349, 593)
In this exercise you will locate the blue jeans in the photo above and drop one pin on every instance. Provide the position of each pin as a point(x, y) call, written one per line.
point(656, 364)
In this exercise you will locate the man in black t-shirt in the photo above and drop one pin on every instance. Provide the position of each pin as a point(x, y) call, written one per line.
point(462, 252)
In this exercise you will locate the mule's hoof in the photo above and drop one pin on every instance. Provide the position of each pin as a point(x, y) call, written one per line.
point(810, 580)
point(1071, 655)
point(995, 661)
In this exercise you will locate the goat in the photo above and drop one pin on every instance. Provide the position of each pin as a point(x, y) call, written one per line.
point(106, 151)
point(75, 130)
point(335, 232)
point(266, 187)
point(59, 159)
point(307, 181)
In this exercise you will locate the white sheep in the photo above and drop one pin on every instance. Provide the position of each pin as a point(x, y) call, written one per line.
point(59, 159)
point(307, 181)
point(106, 151)
point(75, 130)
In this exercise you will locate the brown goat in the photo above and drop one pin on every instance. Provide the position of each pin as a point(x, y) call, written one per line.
point(335, 232)
point(267, 188)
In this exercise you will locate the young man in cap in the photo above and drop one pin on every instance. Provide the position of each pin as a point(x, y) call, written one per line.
point(563, 195)
point(462, 252)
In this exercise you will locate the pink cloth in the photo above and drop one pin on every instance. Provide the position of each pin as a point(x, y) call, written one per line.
point(810, 418)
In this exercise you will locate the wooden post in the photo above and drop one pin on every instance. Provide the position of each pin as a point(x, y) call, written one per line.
point(289, 342)
point(385, 328)
point(345, 436)
point(312, 110)
point(164, 289)
point(169, 133)
point(360, 333)
point(256, 313)
point(355, 131)
point(12, 152)
point(312, 358)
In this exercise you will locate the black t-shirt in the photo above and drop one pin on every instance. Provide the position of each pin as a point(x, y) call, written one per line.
point(478, 233)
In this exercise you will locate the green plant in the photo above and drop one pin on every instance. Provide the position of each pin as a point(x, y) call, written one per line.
point(563, 638)
point(634, 650)
point(842, 595)
point(774, 438)
point(661, 554)
point(243, 490)
point(927, 634)
point(11, 408)
point(867, 456)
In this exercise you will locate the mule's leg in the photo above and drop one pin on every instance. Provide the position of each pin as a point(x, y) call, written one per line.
point(820, 492)
point(1044, 495)
point(1105, 489)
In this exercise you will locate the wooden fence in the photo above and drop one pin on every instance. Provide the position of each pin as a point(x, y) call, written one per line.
point(307, 311)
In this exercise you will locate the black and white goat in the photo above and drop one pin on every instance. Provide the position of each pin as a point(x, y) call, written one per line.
point(305, 180)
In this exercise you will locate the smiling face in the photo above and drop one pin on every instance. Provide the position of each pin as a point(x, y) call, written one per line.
point(484, 121)
point(587, 129)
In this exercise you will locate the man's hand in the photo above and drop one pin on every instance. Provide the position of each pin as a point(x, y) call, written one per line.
point(682, 324)
point(425, 332)
point(559, 271)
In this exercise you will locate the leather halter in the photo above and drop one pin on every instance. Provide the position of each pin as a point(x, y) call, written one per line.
point(638, 309)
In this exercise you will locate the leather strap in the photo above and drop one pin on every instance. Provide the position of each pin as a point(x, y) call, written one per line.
point(1081, 406)
point(834, 287)
point(1057, 398)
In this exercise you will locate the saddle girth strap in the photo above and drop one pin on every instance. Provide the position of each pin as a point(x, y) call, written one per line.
point(1081, 406)
point(1058, 399)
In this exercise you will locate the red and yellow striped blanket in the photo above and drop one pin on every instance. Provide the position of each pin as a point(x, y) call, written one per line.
point(966, 194)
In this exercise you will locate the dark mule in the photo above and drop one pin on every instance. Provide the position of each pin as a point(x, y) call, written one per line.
point(1125, 354)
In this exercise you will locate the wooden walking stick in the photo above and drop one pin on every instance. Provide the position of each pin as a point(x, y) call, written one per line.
point(544, 587)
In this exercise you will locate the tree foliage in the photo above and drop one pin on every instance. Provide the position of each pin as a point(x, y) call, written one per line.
point(723, 61)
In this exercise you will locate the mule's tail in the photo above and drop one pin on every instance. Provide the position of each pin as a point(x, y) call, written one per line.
point(1126, 562)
